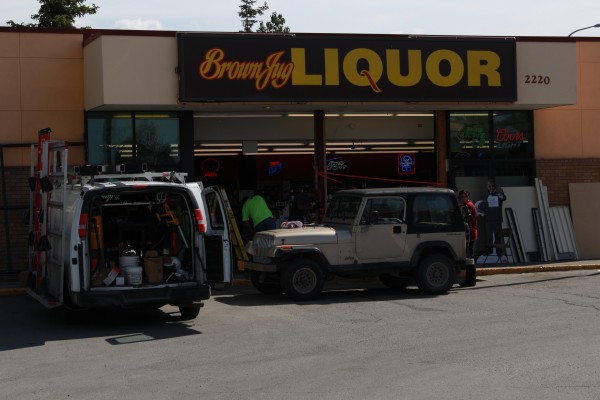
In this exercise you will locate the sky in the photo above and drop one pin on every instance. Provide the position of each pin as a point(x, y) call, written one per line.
point(425, 17)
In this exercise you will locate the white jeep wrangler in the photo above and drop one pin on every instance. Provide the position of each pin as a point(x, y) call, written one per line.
point(400, 235)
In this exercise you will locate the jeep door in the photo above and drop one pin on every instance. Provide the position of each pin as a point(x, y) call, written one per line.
point(381, 232)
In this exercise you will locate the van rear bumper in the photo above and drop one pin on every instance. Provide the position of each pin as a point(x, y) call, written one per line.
point(131, 297)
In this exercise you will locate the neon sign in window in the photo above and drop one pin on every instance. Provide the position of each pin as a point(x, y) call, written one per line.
point(274, 167)
point(407, 164)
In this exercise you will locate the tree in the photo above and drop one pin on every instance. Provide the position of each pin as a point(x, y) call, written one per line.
point(58, 14)
point(276, 25)
point(249, 13)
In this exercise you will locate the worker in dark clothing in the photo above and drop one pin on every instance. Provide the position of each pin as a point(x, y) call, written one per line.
point(300, 207)
point(493, 214)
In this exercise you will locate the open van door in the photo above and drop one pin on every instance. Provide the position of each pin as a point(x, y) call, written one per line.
point(217, 237)
point(47, 219)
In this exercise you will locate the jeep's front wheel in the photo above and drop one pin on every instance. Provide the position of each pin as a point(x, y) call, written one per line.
point(435, 274)
point(302, 279)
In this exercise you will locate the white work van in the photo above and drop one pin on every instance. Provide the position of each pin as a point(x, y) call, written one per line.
point(115, 239)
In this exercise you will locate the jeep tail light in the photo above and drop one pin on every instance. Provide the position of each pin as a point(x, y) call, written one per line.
point(83, 222)
point(200, 223)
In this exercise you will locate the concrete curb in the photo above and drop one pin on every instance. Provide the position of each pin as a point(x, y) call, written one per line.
point(527, 269)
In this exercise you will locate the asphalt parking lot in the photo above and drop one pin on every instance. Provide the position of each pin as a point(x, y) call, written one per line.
point(529, 335)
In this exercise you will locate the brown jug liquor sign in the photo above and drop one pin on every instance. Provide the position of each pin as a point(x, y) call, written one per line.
point(272, 68)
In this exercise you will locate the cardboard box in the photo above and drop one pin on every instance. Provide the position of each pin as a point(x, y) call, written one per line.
point(99, 276)
point(151, 253)
point(153, 269)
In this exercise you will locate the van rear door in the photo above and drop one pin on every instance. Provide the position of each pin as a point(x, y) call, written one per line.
point(217, 237)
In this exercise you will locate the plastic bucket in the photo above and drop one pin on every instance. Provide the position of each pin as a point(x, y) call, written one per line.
point(133, 274)
point(126, 261)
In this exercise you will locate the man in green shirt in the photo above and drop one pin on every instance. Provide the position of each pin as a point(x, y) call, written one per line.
point(256, 209)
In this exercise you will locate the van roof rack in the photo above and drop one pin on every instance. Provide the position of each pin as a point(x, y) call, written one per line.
point(88, 174)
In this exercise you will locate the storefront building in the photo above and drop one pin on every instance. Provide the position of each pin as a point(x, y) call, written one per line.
point(318, 112)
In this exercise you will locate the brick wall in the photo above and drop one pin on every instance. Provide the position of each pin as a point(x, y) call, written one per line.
point(557, 174)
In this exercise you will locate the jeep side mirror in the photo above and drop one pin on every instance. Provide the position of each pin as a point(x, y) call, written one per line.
point(373, 217)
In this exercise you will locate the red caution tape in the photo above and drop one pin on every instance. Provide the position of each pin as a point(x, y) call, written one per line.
point(426, 183)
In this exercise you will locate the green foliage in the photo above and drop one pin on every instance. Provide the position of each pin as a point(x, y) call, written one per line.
point(58, 14)
point(249, 13)
point(276, 25)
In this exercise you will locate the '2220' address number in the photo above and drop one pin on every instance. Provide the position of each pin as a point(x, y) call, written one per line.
point(537, 79)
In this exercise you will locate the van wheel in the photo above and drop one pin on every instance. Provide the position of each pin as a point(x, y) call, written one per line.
point(435, 274)
point(395, 282)
point(302, 279)
point(264, 282)
point(190, 311)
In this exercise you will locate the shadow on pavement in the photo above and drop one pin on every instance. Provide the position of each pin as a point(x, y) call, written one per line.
point(332, 294)
point(26, 323)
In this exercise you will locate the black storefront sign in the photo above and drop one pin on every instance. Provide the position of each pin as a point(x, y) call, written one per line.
point(313, 68)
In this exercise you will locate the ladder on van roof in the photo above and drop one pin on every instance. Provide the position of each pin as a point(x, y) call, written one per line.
point(47, 218)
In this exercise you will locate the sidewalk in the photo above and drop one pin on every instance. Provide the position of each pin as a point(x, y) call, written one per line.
point(495, 269)
point(13, 289)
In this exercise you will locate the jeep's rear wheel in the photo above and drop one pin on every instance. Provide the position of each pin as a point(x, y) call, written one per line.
point(302, 279)
point(265, 282)
point(395, 282)
point(435, 274)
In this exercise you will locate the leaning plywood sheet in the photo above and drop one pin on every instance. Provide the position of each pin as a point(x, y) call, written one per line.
point(522, 200)
point(585, 211)
point(563, 232)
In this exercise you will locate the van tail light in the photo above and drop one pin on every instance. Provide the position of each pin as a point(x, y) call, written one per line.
point(200, 222)
point(83, 223)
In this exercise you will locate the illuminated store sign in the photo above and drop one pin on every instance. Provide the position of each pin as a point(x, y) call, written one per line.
point(336, 164)
point(506, 139)
point(333, 68)
point(406, 164)
point(210, 167)
point(274, 167)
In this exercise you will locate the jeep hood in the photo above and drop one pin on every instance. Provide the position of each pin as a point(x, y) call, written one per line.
point(308, 235)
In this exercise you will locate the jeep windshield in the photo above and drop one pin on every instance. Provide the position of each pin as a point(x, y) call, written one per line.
point(343, 208)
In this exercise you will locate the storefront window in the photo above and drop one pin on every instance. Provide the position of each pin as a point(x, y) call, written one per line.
point(512, 134)
point(469, 135)
point(109, 138)
point(491, 144)
point(133, 138)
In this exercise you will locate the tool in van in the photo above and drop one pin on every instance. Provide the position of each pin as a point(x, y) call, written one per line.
point(166, 215)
